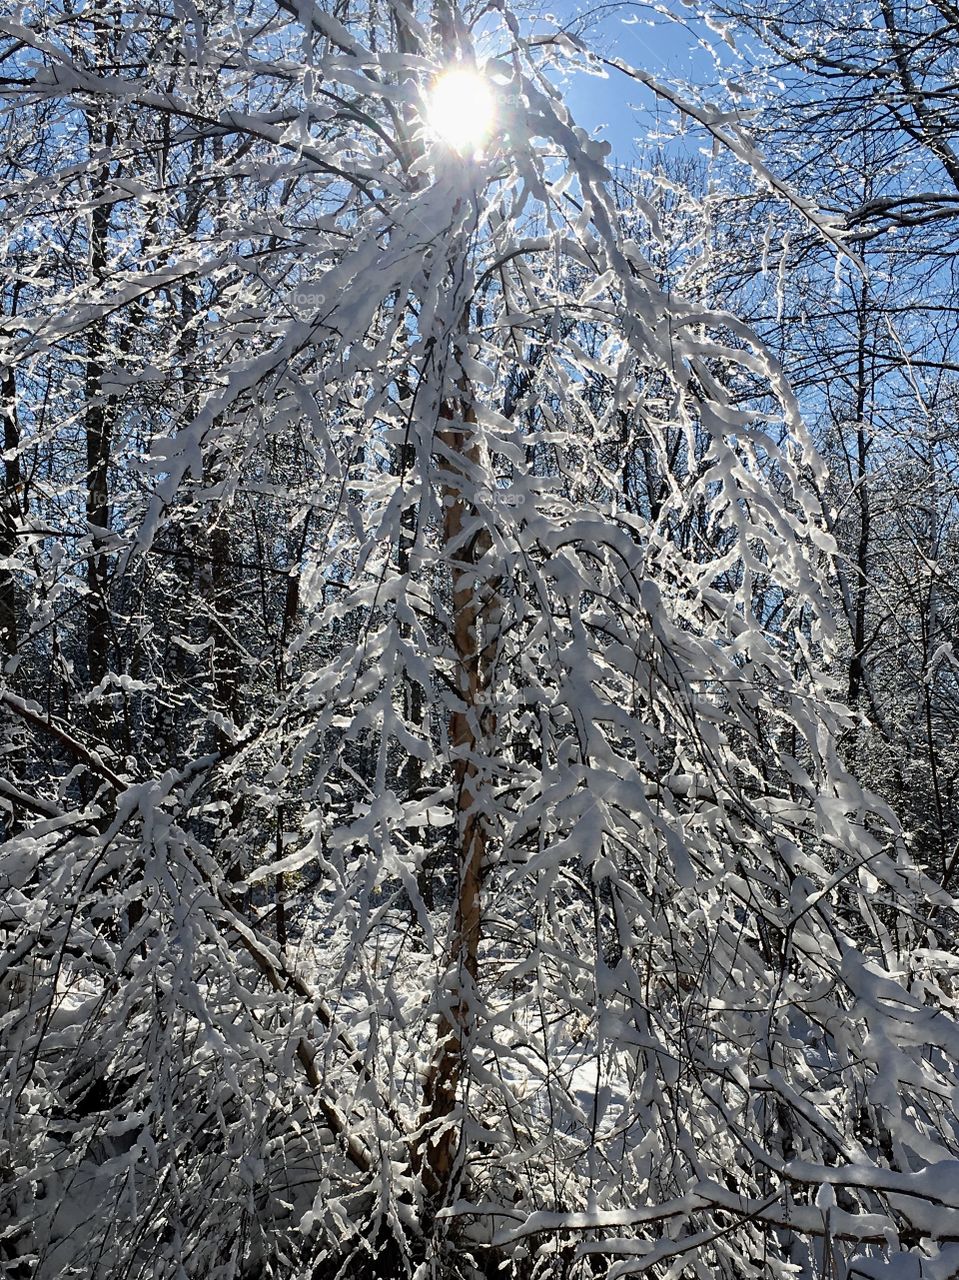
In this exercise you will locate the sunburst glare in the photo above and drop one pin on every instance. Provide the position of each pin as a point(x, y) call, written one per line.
point(461, 110)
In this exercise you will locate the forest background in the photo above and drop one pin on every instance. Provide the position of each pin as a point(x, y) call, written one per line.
point(479, 696)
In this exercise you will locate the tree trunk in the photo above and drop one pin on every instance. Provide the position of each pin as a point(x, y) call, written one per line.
point(860, 478)
point(99, 409)
point(471, 725)
point(10, 513)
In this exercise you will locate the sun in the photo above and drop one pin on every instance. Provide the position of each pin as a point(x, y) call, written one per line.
point(460, 109)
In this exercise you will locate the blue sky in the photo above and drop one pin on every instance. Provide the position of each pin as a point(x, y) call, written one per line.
point(669, 50)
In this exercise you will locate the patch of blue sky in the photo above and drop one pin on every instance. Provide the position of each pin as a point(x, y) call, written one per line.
point(674, 47)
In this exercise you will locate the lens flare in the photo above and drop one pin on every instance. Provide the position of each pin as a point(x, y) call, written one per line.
point(461, 110)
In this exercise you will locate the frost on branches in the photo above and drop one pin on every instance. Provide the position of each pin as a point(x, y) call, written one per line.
point(426, 844)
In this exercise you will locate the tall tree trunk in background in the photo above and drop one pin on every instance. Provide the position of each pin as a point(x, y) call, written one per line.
point(860, 479)
point(216, 581)
point(98, 463)
point(932, 636)
point(228, 654)
point(414, 697)
point(291, 606)
point(98, 424)
point(10, 514)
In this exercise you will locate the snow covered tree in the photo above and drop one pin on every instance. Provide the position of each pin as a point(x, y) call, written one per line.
point(673, 1000)
point(853, 104)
